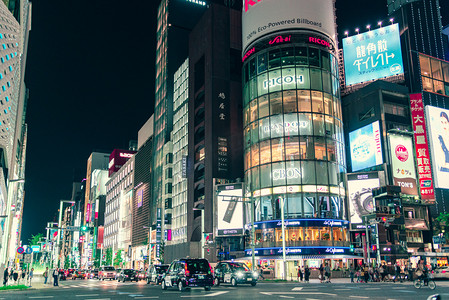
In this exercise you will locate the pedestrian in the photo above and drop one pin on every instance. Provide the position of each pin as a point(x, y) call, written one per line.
point(15, 276)
point(306, 274)
point(321, 273)
point(55, 277)
point(261, 272)
point(410, 273)
point(11, 274)
point(300, 275)
point(382, 272)
point(351, 273)
point(24, 272)
point(5, 276)
point(358, 274)
point(45, 275)
point(327, 273)
point(366, 273)
point(397, 269)
point(30, 275)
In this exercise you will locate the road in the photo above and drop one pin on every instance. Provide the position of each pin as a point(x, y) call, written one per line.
point(109, 290)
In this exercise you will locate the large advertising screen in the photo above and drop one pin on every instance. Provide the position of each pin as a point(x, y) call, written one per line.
point(229, 209)
point(360, 188)
point(403, 163)
point(366, 147)
point(261, 17)
point(438, 125)
point(372, 55)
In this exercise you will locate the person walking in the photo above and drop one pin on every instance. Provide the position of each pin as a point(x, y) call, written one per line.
point(300, 274)
point(397, 271)
point(321, 273)
point(410, 272)
point(45, 275)
point(351, 273)
point(327, 273)
point(30, 275)
point(5, 276)
point(55, 277)
point(366, 273)
point(306, 274)
point(15, 276)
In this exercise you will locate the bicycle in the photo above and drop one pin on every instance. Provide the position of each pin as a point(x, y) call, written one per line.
point(418, 283)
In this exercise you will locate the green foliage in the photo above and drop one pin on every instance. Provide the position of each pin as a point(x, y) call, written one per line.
point(118, 259)
point(35, 239)
point(108, 260)
point(66, 263)
point(441, 224)
point(13, 287)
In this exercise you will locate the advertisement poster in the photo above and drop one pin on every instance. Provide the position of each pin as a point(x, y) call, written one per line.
point(229, 209)
point(403, 163)
point(360, 188)
point(262, 17)
point(366, 147)
point(421, 147)
point(438, 124)
point(372, 55)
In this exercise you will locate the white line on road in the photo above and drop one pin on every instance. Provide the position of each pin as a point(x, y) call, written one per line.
point(207, 295)
point(360, 297)
point(297, 293)
point(372, 289)
point(149, 297)
point(342, 289)
point(297, 289)
point(100, 299)
point(89, 295)
point(41, 297)
point(287, 297)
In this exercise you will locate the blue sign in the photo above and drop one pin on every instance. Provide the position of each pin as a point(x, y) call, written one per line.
point(20, 250)
point(372, 55)
point(29, 250)
point(366, 147)
point(277, 251)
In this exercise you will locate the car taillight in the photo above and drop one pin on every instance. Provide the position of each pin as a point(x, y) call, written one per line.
point(211, 270)
point(187, 271)
point(444, 271)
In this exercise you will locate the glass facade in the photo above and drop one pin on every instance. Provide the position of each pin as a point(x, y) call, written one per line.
point(293, 133)
point(434, 75)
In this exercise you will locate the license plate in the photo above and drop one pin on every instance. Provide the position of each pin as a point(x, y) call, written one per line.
point(200, 276)
point(249, 279)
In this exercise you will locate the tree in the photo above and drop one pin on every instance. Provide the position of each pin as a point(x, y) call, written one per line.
point(35, 239)
point(118, 258)
point(441, 224)
point(108, 256)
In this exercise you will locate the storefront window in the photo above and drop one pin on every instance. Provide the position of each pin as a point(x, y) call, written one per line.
point(321, 173)
point(333, 174)
point(320, 149)
point(277, 149)
point(305, 121)
point(338, 235)
point(265, 152)
point(329, 125)
point(325, 234)
point(308, 169)
point(331, 150)
point(304, 101)
point(279, 173)
point(290, 102)
point(265, 176)
point(277, 126)
point(292, 148)
point(253, 111)
point(294, 207)
point(309, 205)
point(307, 150)
point(317, 102)
point(264, 108)
point(315, 79)
point(318, 124)
point(267, 212)
point(327, 104)
point(276, 103)
point(291, 125)
point(293, 169)
point(255, 155)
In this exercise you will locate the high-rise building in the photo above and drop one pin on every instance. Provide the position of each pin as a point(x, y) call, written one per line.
point(293, 133)
point(15, 26)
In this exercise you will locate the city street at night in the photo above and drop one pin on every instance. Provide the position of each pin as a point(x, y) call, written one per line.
point(341, 289)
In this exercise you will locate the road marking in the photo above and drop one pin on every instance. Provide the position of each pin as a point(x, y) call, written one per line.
point(41, 297)
point(287, 297)
point(342, 289)
point(407, 291)
point(89, 295)
point(137, 295)
point(100, 299)
point(293, 293)
point(399, 287)
point(207, 295)
point(149, 297)
point(372, 289)
point(297, 289)
point(361, 297)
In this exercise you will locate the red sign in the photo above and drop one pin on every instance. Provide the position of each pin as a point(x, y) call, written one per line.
point(401, 153)
point(280, 39)
point(87, 218)
point(20, 250)
point(319, 41)
point(421, 147)
point(248, 53)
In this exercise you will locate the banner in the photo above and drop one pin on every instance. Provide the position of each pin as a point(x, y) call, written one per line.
point(366, 147)
point(421, 147)
point(403, 163)
point(360, 186)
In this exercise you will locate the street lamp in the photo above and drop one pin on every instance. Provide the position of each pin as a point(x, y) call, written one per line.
point(149, 245)
point(201, 207)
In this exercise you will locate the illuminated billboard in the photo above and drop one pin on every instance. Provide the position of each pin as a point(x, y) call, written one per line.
point(360, 188)
point(403, 163)
point(262, 17)
point(366, 147)
point(372, 55)
point(438, 126)
point(229, 209)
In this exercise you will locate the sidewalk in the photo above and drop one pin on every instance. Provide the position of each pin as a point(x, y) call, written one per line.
point(36, 283)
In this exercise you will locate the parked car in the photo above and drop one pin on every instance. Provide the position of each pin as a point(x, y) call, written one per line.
point(127, 275)
point(234, 273)
point(79, 274)
point(441, 272)
point(187, 273)
point(107, 272)
point(155, 272)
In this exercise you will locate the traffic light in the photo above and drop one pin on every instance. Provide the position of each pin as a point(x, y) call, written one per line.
point(384, 220)
point(374, 247)
point(83, 228)
point(351, 248)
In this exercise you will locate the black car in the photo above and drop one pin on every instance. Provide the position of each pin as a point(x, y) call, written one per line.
point(155, 273)
point(189, 272)
point(234, 273)
point(127, 275)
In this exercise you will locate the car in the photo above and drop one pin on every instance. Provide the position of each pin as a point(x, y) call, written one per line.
point(107, 272)
point(93, 274)
point(441, 272)
point(79, 274)
point(117, 272)
point(155, 272)
point(187, 273)
point(234, 273)
point(140, 274)
point(127, 275)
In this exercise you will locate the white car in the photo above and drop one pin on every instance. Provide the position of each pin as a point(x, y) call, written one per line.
point(441, 272)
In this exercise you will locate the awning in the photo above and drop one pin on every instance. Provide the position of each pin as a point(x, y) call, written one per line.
point(299, 257)
point(416, 224)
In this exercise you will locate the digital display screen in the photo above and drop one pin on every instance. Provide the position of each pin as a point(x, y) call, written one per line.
point(372, 55)
point(366, 147)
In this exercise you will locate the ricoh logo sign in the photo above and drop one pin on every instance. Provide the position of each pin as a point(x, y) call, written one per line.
point(263, 17)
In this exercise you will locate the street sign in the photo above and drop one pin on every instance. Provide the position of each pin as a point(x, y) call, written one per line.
point(72, 228)
point(358, 250)
point(29, 250)
point(20, 250)
point(27, 258)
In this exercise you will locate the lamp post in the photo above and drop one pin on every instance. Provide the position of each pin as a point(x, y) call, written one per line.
point(284, 261)
point(149, 245)
point(201, 208)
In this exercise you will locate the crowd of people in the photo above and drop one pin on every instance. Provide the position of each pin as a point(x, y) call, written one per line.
point(17, 275)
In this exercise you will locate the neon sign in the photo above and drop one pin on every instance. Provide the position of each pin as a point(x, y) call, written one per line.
point(289, 79)
point(291, 173)
point(319, 42)
point(288, 126)
point(248, 54)
point(249, 3)
point(126, 155)
point(279, 39)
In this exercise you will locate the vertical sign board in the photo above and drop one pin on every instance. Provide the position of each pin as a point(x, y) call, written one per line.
point(421, 147)
point(366, 147)
point(438, 124)
point(360, 186)
point(403, 163)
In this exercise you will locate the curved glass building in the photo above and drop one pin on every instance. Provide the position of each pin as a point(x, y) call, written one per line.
point(294, 148)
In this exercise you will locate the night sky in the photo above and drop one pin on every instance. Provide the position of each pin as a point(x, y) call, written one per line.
point(90, 72)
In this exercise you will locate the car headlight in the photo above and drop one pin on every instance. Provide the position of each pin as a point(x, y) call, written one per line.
point(255, 274)
point(239, 274)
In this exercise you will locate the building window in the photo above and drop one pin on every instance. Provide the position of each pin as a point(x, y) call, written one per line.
point(169, 158)
point(168, 173)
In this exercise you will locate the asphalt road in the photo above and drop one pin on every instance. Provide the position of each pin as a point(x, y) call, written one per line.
point(103, 290)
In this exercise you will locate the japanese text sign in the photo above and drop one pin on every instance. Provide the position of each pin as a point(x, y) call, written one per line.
point(421, 147)
point(372, 55)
